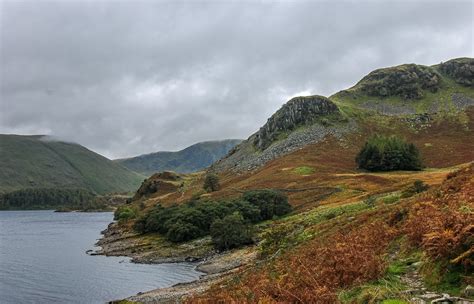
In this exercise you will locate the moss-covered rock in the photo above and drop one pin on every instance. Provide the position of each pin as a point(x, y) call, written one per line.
point(460, 69)
point(297, 112)
point(408, 81)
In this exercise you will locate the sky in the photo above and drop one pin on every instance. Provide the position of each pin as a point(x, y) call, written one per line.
point(125, 78)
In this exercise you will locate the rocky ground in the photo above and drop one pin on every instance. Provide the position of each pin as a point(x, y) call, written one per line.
point(245, 159)
point(419, 294)
point(215, 266)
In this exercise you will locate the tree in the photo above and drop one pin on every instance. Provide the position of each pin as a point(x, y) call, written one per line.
point(387, 153)
point(271, 203)
point(182, 231)
point(231, 232)
point(211, 183)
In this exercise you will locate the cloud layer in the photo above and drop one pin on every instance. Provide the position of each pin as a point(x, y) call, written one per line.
point(130, 77)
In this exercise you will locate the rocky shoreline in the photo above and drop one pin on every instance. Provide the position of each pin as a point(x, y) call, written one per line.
point(215, 266)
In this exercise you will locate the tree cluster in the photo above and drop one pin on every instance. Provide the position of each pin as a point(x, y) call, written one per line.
point(228, 222)
point(387, 153)
point(46, 198)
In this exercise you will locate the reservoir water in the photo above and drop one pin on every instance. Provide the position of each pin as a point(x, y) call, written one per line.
point(43, 260)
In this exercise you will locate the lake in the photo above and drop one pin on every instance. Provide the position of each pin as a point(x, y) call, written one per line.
point(43, 260)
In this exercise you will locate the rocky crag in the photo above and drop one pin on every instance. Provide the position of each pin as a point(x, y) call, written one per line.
point(416, 95)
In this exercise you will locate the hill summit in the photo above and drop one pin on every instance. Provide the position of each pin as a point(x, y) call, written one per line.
point(411, 95)
point(42, 162)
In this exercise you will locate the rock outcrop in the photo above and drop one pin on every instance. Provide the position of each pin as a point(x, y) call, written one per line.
point(159, 183)
point(301, 121)
point(460, 69)
point(408, 81)
point(296, 112)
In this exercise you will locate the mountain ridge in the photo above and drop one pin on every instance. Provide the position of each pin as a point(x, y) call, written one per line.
point(31, 161)
point(190, 159)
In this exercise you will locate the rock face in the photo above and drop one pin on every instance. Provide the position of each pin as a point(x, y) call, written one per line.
point(296, 112)
point(162, 182)
point(460, 69)
point(301, 121)
point(408, 81)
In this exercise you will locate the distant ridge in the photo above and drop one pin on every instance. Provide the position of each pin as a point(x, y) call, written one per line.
point(38, 161)
point(191, 159)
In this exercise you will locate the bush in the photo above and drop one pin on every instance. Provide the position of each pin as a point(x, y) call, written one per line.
point(271, 203)
point(124, 213)
point(370, 201)
point(182, 231)
point(417, 187)
point(387, 153)
point(211, 183)
point(231, 232)
point(195, 218)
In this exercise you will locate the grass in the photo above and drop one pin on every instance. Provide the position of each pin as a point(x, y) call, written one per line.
point(442, 277)
point(391, 198)
point(385, 290)
point(30, 162)
point(304, 170)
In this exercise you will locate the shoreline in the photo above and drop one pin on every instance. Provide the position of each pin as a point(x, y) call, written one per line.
point(214, 266)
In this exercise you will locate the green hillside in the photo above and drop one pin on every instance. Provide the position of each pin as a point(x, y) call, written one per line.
point(412, 89)
point(194, 158)
point(34, 162)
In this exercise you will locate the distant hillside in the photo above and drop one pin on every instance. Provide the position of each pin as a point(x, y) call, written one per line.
point(409, 100)
point(38, 162)
point(194, 158)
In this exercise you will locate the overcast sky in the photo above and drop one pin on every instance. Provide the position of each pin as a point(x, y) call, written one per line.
point(131, 77)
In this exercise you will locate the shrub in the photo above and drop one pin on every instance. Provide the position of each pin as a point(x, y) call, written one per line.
point(271, 203)
point(417, 187)
point(370, 201)
point(231, 232)
point(211, 183)
point(124, 213)
point(181, 231)
point(195, 218)
point(387, 153)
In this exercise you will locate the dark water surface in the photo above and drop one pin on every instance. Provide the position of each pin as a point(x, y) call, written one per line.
point(43, 260)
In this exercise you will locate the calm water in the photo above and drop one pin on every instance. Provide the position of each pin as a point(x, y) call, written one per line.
point(43, 260)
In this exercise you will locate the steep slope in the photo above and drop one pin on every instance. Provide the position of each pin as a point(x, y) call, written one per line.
point(38, 162)
point(405, 100)
point(193, 158)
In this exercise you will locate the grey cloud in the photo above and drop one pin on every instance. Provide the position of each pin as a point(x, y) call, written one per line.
point(130, 77)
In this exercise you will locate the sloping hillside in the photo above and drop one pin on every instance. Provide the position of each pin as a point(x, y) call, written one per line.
point(38, 162)
point(353, 236)
point(404, 99)
point(191, 159)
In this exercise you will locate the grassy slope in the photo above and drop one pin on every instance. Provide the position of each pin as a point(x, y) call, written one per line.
point(27, 161)
point(328, 193)
point(352, 97)
point(365, 263)
point(194, 158)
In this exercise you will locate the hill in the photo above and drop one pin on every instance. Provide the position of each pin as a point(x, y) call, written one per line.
point(406, 96)
point(40, 162)
point(191, 159)
point(353, 236)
